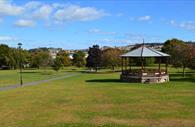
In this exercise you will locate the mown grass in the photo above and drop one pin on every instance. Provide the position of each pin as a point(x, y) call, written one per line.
point(11, 77)
point(100, 99)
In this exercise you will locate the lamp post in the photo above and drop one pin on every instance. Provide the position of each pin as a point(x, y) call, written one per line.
point(19, 47)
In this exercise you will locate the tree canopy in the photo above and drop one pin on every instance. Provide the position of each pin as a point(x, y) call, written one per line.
point(111, 57)
point(94, 58)
point(79, 59)
point(181, 53)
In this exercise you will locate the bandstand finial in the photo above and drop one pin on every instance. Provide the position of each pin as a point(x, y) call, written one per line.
point(143, 42)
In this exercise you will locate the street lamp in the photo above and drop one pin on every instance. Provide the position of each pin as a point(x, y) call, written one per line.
point(19, 47)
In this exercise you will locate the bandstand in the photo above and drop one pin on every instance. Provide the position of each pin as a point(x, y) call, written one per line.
point(142, 74)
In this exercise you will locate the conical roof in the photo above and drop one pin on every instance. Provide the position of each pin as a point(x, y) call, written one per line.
point(145, 52)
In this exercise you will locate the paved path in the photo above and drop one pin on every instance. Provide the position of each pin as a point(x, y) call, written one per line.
point(36, 82)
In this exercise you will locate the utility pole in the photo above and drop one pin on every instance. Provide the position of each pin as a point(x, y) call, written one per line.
point(19, 47)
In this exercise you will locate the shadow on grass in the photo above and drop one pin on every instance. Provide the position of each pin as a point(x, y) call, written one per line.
point(183, 79)
point(105, 80)
point(28, 72)
point(189, 77)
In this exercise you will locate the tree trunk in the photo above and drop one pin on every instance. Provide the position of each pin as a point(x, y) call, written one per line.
point(96, 69)
point(184, 71)
point(113, 67)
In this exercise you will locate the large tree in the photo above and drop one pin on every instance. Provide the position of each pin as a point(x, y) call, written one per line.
point(79, 59)
point(94, 58)
point(64, 57)
point(181, 53)
point(16, 55)
point(41, 58)
point(5, 56)
point(191, 56)
point(111, 57)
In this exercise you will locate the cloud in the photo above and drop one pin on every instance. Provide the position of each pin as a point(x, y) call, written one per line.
point(57, 5)
point(119, 14)
point(172, 22)
point(9, 9)
point(144, 18)
point(43, 12)
point(32, 5)
point(114, 40)
point(139, 37)
point(24, 23)
point(98, 31)
point(51, 13)
point(77, 13)
point(7, 38)
point(187, 25)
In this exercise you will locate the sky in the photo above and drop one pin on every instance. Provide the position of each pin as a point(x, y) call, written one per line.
point(79, 24)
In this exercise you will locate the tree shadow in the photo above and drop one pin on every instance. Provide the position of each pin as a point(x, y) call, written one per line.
point(105, 80)
point(189, 77)
point(183, 79)
point(28, 72)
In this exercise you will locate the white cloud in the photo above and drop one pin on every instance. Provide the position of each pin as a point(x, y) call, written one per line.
point(139, 37)
point(24, 23)
point(77, 13)
point(98, 31)
point(116, 40)
point(9, 9)
point(119, 14)
point(51, 13)
point(43, 12)
point(172, 22)
point(94, 30)
point(32, 5)
point(144, 18)
point(57, 5)
point(187, 25)
point(7, 38)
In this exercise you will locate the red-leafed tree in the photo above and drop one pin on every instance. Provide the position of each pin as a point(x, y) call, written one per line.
point(191, 56)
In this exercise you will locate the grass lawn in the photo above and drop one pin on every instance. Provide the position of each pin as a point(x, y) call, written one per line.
point(89, 100)
point(11, 77)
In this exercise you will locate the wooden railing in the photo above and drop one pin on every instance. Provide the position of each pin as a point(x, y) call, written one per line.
point(145, 72)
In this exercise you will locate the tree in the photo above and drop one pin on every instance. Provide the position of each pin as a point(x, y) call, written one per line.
point(64, 57)
point(79, 59)
point(111, 57)
point(191, 56)
point(41, 59)
point(146, 61)
point(57, 64)
point(169, 45)
point(180, 53)
point(6, 59)
point(94, 58)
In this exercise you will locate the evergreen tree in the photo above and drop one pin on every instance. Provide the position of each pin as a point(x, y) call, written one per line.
point(94, 58)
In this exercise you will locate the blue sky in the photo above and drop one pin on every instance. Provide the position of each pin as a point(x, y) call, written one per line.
point(80, 24)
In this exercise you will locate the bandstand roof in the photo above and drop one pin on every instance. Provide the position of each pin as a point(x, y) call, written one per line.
point(145, 52)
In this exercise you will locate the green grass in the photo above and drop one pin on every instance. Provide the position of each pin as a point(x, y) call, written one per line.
point(11, 77)
point(100, 99)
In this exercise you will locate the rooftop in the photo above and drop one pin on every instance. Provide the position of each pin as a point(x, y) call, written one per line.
point(145, 52)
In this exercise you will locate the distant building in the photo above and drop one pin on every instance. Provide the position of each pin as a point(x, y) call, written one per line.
point(54, 51)
point(71, 53)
